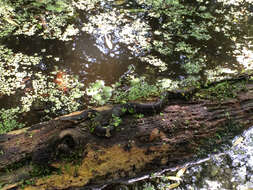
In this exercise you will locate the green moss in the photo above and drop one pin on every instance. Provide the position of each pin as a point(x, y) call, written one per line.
point(223, 135)
point(221, 91)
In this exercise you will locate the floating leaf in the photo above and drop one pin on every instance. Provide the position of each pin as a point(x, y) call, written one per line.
point(77, 95)
point(174, 178)
point(173, 185)
point(119, 2)
point(181, 172)
point(238, 141)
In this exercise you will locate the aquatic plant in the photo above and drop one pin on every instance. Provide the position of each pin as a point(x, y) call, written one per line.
point(137, 89)
point(100, 93)
point(46, 18)
point(8, 120)
point(17, 72)
point(180, 27)
point(14, 68)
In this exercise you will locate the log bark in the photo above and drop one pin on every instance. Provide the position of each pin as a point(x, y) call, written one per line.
point(78, 158)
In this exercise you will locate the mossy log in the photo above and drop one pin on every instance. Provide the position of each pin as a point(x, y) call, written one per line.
point(78, 158)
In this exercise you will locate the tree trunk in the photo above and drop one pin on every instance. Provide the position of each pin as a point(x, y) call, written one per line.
point(183, 130)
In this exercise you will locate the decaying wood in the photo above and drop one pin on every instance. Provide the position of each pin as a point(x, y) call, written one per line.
point(139, 145)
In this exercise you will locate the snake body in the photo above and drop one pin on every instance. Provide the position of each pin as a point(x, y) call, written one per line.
point(102, 126)
point(137, 108)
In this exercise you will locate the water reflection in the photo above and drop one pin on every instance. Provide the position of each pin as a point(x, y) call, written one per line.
point(92, 59)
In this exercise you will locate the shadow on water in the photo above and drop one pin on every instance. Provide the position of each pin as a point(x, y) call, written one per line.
point(31, 45)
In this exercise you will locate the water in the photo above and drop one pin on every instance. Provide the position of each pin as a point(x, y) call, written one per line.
point(87, 57)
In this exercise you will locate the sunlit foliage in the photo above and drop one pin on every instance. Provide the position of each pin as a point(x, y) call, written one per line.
point(99, 92)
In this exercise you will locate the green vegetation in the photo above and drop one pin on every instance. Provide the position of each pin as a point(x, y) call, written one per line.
point(25, 172)
point(49, 5)
point(100, 93)
point(221, 91)
point(180, 42)
point(186, 25)
point(14, 68)
point(18, 74)
point(137, 89)
point(8, 120)
point(176, 38)
point(115, 121)
point(222, 136)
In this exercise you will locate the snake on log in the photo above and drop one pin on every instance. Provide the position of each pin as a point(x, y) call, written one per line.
point(102, 121)
point(118, 111)
point(102, 124)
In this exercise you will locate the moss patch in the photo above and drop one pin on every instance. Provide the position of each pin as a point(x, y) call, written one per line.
point(96, 165)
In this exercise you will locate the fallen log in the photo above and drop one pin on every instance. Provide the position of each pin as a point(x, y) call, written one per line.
point(72, 157)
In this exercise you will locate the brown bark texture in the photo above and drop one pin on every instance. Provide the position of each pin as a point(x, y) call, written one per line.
point(78, 158)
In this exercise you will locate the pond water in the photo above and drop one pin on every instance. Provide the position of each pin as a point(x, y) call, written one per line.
point(87, 59)
point(86, 56)
point(43, 77)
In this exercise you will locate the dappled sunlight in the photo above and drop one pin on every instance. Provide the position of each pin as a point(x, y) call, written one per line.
point(246, 59)
point(122, 28)
point(234, 2)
